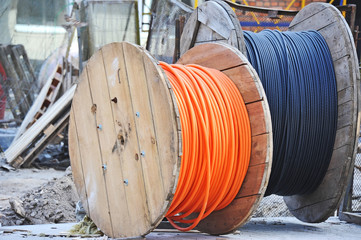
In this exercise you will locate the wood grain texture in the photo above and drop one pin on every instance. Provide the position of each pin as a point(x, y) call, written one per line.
point(325, 18)
point(213, 21)
point(235, 65)
point(124, 141)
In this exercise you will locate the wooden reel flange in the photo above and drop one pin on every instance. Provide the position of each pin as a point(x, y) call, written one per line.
point(125, 138)
point(212, 21)
point(325, 18)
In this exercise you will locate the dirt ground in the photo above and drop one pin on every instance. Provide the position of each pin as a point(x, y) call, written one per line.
point(17, 183)
point(32, 196)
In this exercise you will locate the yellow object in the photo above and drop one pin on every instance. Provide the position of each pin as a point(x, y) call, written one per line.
point(195, 3)
point(287, 8)
point(331, 1)
point(234, 10)
point(303, 3)
point(254, 16)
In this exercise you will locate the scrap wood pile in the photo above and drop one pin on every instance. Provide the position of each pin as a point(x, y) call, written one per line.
point(43, 115)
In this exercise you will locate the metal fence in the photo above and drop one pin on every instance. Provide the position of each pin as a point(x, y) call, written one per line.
point(162, 35)
point(356, 185)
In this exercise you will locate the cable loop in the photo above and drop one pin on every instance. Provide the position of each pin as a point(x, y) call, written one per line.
point(216, 140)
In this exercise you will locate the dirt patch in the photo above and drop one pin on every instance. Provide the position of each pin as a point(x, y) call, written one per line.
point(53, 202)
point(17, 183)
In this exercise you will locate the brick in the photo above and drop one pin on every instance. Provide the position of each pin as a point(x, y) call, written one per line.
point(274, 4)
point(297, 4)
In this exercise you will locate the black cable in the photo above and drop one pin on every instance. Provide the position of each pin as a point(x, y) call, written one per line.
point(296, 71)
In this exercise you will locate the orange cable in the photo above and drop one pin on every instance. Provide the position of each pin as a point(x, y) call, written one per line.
point(216, 140)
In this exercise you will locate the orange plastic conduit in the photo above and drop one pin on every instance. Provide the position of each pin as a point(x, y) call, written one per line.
point(216, 138)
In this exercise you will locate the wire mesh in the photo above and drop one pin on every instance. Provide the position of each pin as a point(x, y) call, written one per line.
point(161, 38)
point(356, 189)
point(31, 30)
point(256, 22)
point(109, 21)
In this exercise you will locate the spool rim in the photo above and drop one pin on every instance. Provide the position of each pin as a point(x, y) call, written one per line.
point(93, 178)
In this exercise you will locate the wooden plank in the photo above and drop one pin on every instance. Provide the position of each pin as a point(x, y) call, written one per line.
point(107, 139)
point(345, 95)
point(204, 58)
point(343, 112)
point(343, 136)
point(343, 68)
point(317, 19)
point(351, 217)
point(257, 118)
point(91, 160)
point(76, 163)
point(247, 86)
point(259, 151)
point(252, 182)
point(163, 129)
point(132, 101)
point(48, 136)
point(36, 106)
point(21, 144)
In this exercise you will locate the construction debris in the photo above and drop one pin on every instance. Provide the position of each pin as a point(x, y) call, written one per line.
point(34, 140)
point(53, 202)
point(86, 226)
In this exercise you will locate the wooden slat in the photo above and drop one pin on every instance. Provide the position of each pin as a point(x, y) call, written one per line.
point(21, 144)
point(90, 155)
point(226, 58)
point(246, 87)
point(77, 166)
point(38, 103)
point(257, 118)
point(49, 134)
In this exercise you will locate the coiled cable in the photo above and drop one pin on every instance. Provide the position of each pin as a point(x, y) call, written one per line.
point(216, 140)
point(297, 73)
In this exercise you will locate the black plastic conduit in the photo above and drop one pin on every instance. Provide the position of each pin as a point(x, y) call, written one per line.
point(297, 74)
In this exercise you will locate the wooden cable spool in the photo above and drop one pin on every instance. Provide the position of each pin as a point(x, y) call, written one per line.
point(319, 205)
point(125, 138)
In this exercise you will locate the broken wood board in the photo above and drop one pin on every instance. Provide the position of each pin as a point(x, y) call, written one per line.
point(22, 144)
point(45, 99)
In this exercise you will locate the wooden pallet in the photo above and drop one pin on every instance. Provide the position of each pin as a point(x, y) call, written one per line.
point(44, 101)
point(20, 81)
point(24, 150)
